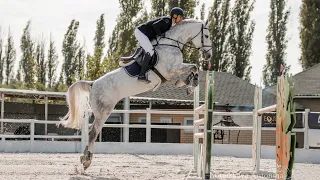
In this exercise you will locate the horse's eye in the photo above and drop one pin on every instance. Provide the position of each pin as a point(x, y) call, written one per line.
point(206, 36)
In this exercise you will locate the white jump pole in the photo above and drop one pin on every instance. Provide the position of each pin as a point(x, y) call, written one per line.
point(202, 152)
point(196, 104)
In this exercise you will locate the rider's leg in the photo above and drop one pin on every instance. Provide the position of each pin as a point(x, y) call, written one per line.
point(147, 46)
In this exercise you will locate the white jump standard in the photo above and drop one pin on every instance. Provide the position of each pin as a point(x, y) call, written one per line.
point(202, 152)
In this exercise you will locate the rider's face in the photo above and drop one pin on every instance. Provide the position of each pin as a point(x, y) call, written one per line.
point(176, 18)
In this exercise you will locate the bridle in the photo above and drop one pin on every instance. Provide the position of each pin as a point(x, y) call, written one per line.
point(185, 44)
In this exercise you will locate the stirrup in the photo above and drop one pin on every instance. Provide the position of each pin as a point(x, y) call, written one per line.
point(144, 78)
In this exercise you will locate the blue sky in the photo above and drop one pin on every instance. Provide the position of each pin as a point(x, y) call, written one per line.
point(54, 16)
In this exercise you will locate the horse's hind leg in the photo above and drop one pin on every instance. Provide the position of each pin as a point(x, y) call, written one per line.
point(101, 113)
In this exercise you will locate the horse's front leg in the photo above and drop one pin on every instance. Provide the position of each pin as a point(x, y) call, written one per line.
point(192, 78)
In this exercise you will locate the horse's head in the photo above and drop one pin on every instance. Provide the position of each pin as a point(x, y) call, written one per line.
point(197, 32)
point(201, 38)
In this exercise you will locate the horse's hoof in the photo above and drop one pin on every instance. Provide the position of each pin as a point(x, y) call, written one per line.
point(180, 83)
point(85, 161)
point(86, 164)
point(86, 158)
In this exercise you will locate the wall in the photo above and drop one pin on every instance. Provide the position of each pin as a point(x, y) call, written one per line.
point(309, 103)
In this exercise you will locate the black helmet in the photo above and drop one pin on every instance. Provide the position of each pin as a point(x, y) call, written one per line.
point(177, 11)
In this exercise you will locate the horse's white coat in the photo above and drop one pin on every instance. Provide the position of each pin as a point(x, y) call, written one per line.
point(109, 89)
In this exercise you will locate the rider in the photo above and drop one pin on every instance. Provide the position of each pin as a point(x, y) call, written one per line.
point(148, 31)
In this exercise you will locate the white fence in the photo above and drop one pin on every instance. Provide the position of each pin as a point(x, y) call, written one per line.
point(148, 126)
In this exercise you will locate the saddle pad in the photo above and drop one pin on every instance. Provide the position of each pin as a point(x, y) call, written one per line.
point(134, 69)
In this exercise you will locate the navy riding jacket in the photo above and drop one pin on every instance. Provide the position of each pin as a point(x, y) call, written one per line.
point(155, 27)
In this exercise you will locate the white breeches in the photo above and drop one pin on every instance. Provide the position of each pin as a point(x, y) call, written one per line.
point(144, 41)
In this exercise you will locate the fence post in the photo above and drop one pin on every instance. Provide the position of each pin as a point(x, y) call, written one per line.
point(46, 114)
point(126, 119)
point(148, 129)
point(3, 141)
point(306, 129)
point(2, 112)
point(195, 130)
point(32, 135)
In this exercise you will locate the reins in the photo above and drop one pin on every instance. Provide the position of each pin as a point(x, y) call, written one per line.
point(185, 44)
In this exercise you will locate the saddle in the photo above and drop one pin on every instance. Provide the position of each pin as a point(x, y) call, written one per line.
point(138, 56)
point(132, 63)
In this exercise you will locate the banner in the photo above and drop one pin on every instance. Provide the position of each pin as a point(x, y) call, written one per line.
point(269, 120)
point(314, 121)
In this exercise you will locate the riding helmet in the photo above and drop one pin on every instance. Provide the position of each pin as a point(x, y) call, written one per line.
point(177, 11)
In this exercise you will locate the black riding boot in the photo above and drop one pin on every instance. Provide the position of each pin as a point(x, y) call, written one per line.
point(145, 62)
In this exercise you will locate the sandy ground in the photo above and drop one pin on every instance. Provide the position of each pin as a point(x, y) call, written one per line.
point(25, 166)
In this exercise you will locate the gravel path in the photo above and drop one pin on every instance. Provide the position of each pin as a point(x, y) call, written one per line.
point(25, 166)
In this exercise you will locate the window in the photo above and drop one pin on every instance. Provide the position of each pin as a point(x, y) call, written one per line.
point(143, 119)
point(165, 120)
point(188, 121)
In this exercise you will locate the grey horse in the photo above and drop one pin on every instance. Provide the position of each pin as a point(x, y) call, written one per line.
point(101, 95)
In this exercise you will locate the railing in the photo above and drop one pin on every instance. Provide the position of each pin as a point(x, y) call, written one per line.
point(148, 125)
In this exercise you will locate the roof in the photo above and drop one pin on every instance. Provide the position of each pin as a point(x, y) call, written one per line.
point(32, 93)
point(306, 83)
point(228, 89)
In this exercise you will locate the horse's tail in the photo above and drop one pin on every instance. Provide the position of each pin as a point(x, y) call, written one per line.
point(79, 107)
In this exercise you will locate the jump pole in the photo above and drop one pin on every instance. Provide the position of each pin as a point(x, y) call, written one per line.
point(202, 152)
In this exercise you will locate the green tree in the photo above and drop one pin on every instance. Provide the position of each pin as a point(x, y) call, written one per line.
point(219, 21)
point(122, 41)
point(9, 58)
point(158, 8)
point(241, 31)
point(277, 42)
point(94, 68)
point(1, 59)
point(41, 63)
point(310, 33)
point(52, 62)
point(202, 11)
point(80, 62)
point(27, 62)
point(173, 3)
point(69, 49)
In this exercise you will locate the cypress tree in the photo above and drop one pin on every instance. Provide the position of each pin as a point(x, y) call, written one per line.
point(122, 41)
point(241, 31)
point(310, 33)
point(27, 63)
point(9, 58)
point(277, 42)
point(52, 62)
point(219, 17)
point(94, 69)
point(69, 49)
point(1, 59)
